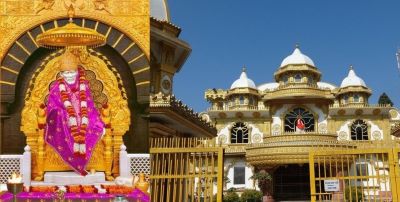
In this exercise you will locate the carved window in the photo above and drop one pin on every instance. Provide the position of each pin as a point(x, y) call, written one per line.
point(297, 78)
point(239, 133)
point(310, 80)
point(345, 99)
point(359, 130)
point(299, 115)
point(241, 100)
point(356, 98)
point(239, 175)
point(251, 100)
point(285, 79)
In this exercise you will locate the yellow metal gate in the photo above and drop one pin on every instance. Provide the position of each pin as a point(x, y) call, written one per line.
point(359, 174)
point(186, 169)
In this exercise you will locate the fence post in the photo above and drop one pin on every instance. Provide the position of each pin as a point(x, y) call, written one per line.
point(220, 178)
point(26, 166)
point(312, 176)
point(124, 169)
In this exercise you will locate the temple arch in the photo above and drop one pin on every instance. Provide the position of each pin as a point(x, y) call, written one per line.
point(24, 46)
point(24, 57)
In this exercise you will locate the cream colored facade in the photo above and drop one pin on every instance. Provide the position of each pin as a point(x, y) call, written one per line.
point(262, 119)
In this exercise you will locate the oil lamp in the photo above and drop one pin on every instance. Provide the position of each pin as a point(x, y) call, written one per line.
point(15, 185)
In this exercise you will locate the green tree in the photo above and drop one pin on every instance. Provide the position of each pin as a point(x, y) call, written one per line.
point(251, 195)
point(384, 100)
point(264, 182)
point(231, 196)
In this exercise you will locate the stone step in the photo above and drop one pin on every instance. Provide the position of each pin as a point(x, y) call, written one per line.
point(69, 178)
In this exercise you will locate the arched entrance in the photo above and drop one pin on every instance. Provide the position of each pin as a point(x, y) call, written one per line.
point(291, 182)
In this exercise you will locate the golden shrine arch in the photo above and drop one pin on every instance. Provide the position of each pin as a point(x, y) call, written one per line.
point(120, 67)
point(25, 45)
point(107, 89)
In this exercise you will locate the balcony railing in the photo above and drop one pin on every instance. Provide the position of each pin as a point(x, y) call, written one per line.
point(239, 108)
point(296, 139)
point(297, 86)
point(359, 105)
point(300, 90)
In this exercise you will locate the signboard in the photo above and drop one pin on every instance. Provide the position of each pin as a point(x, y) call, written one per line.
point(331, 185)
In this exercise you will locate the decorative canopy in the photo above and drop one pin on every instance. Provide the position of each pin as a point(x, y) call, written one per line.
point(70, 35)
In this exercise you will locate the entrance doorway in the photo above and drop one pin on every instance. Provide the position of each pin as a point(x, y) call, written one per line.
point(292, 182)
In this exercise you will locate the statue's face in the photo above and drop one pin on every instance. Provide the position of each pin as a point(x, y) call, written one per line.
point(69, 76)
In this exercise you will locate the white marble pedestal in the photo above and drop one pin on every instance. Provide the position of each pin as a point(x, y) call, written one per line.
point(68, 178)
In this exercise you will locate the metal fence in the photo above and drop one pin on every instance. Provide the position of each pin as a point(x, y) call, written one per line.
point(186, 169)
point(359, 174)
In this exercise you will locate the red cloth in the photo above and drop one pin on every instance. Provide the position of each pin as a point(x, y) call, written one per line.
point(300, 124)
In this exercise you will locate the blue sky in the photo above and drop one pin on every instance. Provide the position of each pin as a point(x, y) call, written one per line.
point(227, 34)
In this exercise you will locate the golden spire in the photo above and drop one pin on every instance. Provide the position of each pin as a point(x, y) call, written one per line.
point(71, 13)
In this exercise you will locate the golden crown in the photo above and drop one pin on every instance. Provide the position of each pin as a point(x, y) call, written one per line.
point(70, 35)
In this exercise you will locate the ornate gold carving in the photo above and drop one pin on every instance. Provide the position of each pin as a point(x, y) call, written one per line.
point(101, 5)
point(393, 113)
point(256, 138)
point(343, 135)
point(376, 112)
point(117, 115)
point(222, 115)
point(342, 112)
point(222, 139)
point(129, 16)
point(74, 3)
point(256, 114)
point(239, 115)
point(377, 135)
point(19, 7)
point(322, 128)
point(359, 112)
point(276, 129)
point(44, 5)
point(2, 7)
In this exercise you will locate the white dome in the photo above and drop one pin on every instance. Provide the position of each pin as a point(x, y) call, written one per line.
point(243, 82)
point(326, 85)
point(268, 86)
point(159, 10)
point(297, 58)
point(352, 80)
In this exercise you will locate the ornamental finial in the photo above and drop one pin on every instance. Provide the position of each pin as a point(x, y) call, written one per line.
point(244, 68)
point(71, 13)
point(351, 67)
point(297, 45)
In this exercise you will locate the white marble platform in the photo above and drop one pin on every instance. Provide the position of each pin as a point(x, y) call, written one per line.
point(69, 178)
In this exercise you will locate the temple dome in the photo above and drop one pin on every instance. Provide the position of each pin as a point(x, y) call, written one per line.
point(243, 81)
point(159, 10)
point(352, 80)
point(296, 58)
point(268, 86)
